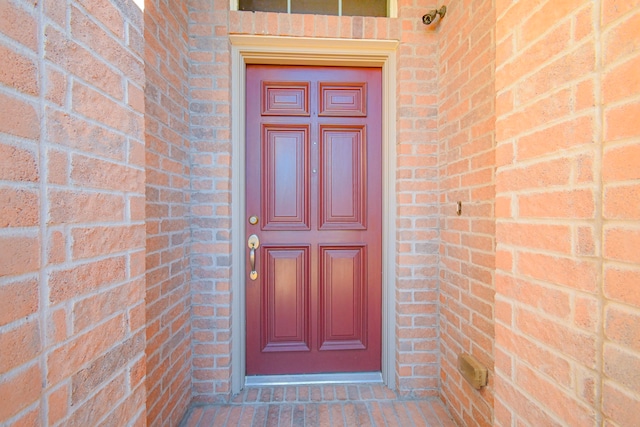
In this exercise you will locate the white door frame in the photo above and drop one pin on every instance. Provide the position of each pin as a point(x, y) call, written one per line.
point(249, 49)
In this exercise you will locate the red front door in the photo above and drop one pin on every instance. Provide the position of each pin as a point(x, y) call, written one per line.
point(313, 198)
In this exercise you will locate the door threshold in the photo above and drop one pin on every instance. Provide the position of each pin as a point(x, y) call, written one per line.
point(304, 379)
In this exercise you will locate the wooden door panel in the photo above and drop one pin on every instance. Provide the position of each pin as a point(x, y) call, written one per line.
point(285, 170)
point(343, 177)
point(343, 320)
point(285, 295)
point(285, 98)
point(343, 100)
point(313, 161)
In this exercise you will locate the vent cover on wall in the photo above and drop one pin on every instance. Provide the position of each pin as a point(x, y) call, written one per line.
point(472, 370)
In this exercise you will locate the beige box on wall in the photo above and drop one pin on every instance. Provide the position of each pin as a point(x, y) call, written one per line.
point(472, 370)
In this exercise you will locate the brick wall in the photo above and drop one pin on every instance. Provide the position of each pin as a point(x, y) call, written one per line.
point(211, 203)
point(73, 94)
point(416, 285)
point(71, 213)
point(567, 197)
point(417, 197)
point(466, 128)
point(168, 296)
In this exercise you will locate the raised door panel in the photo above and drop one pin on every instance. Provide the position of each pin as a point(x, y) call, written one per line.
point(343, 178)
point(343, 300)
point(285, 98)
point(285, 310)
point(343, 99)
point(285, 177)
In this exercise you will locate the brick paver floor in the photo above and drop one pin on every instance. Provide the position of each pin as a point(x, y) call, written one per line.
point(320, 405)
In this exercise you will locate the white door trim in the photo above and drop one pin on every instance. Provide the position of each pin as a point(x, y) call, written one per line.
point(249, 49)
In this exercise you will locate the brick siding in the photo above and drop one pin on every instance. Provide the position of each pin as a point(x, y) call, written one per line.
point(72, 213)
point(466, 127)
point(528, 112)
point(168, 145)
point(567, 213)
point(416, 285)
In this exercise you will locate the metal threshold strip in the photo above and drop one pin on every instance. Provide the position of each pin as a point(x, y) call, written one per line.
point(341, 378)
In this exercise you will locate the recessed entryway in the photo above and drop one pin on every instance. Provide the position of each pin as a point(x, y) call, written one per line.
point(325, 52)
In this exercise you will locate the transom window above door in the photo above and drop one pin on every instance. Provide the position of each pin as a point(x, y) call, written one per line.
point(318, 7)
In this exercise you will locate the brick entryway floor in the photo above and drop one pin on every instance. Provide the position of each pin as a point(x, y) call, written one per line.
point(320, 405)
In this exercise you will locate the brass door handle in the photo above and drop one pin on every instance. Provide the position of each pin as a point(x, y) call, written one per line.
point(253, 244)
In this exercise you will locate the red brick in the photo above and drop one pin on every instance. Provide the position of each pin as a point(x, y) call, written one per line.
point(567, 272)
point(74, 132)
point(57, 326)
point(622, 202)
point(18, 207)
point(569, 66)
point(512, 71)
point(572, 342)
point(19, 255)
point(503, 312)
point(58, 167)
point(622, 38)
point(622, 285)
point(539, 236)
point(540, 175)
point(85, 278)
point(618, 125)
point(586, 313)
point(103, 44)
point(69, 207)
point(58, 403)
point(560, 204)
point(98, 107)
point(621, 162)
point(86, 381)
point(539, 113)
point(18, 300)
point(538, 22)
point(622, 81)
point(18, 117)
point(622, 244)
point(99, 404)
point(56, 86)
point(56, 248)
point(27, 419)
point(18, 24)
point(621, 326)
point(87, 172)
point(613, 9)
point(18, 71)
point(135, 98)
point(84, 348)
point(18, 164)
point(553, 398)
point(620, 406)
point(72, 57)
point(585, 242)
point(523, 406)
point(546, 298)
point(622, 367)
point(585, 96)
point(570, 133)
point(20, 345)
point(125, 411)
point(56, 10)
point(94, 309)
point(106, 13)
point(19, 391)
